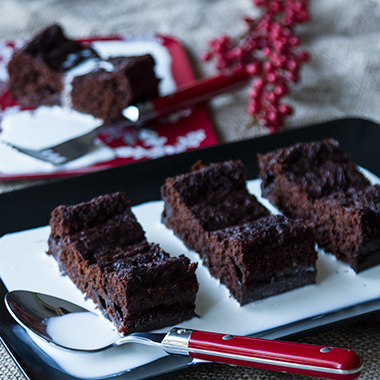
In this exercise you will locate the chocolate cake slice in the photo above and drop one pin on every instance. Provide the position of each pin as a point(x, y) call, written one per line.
point(130, 80)
point(254, 253)
point(317, 181)
point(52, 69)
point(102, 248)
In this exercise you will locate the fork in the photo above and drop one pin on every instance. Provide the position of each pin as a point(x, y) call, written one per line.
point(137, 115)
point(64, 152)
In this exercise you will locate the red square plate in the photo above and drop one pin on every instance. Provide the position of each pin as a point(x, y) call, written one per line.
point(192, 129)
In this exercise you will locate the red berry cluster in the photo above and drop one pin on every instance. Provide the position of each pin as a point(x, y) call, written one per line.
point(269, 51)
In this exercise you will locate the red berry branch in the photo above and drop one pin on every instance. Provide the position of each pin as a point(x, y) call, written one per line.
point(269, 51)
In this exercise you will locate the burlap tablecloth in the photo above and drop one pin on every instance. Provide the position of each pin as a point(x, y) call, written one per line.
point(342, 80)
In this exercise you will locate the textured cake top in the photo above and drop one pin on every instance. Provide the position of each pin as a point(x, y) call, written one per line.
point(121, 259)
point(211, 179)
point(143, 265)
point(217, 195)
point(366, 198)
point(320, 168)
point(104, 231)
point(264, 231)
point(140, 262)
point(104, 213)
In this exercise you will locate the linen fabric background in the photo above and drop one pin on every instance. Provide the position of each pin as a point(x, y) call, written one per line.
point(341, 80)
point(343, 37)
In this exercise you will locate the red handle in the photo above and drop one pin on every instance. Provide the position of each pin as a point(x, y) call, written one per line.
point(197, 92)
point(301, 359)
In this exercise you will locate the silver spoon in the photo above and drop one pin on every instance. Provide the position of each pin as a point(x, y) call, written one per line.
point(37, 313)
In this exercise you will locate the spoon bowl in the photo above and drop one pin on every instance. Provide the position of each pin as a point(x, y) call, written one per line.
point(67, 325)
point(71, 327)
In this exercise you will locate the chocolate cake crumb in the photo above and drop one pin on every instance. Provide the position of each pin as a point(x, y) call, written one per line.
point(102, 248)
point(317, 182)
point(255, 254)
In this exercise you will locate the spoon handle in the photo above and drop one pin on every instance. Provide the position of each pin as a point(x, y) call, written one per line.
point(302, 359)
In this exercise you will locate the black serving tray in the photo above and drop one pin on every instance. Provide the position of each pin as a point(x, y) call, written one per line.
point(28, 208)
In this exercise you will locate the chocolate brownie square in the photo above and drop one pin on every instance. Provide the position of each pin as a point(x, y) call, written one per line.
point(254, 253)
point(102, 248)
point(317, 182)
